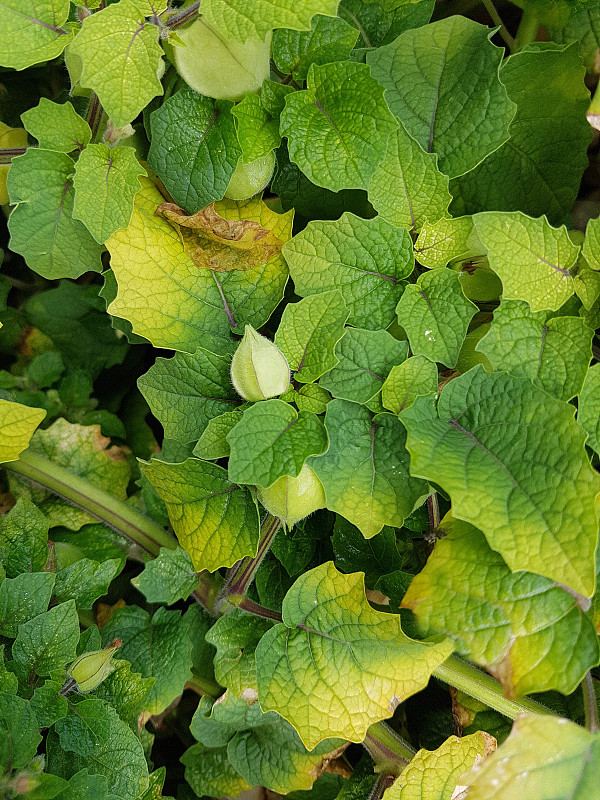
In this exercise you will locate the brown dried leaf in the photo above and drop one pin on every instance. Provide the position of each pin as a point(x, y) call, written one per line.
point(213, 242)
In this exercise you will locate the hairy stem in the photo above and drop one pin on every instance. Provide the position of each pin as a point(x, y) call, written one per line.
point(472, 681)
point(497, 20)
point(387, 749)
point(242, 574)
point(8, 153)
point(527, 31)
point(183, 16)
point(590, 704)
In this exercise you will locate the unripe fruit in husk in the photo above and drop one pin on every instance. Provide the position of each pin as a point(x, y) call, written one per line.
point(259, 369)
point(251, 178)
point(90, 669)
point(292, 499)
point(219, 67)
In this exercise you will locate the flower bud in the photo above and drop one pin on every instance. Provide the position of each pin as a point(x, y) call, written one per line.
point(90, 669)
point(259, 369)
point(292, 499)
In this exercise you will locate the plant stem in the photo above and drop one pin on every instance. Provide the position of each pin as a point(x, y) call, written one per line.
point(259, 611)
point(497, 20)
point(388, 750)
point(8, 153)
point(590, 704)
point(472, 681)
point(383, 782)
point(205, 687)
point(242, 574)
point(100, 504)
point(93, 115)
point(183, 16)
point(527, 31)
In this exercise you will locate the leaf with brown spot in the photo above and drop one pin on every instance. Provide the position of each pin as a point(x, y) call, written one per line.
point(213, 242)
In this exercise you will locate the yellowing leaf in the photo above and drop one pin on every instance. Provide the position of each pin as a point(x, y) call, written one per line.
point(335, 665)
point(216, 243)
point(434, 774)
point(17, 424)
point(32, 31)
point(9, 137)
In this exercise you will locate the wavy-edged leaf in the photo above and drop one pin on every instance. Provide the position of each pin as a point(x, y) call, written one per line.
point(121, 59)
point(407, 188)
point(531, 258)
point(334, 665)
point(48, 641)
point(57, 126)
point(337, 128)
point(416, 377)
point(365, 471)
point(272, 440)
point(185, 392)
point(435, 314)
point(213, 443)
point(543, 758)
point(523, 628)
point(365, 260)
point(167, 578)
point(588, 408)
point(329, 39)
point(22, 598)
point(422, 71)
point(33, 31)
point(523, 450)
point(241, 21)
point(448, 239)
point(257, 131)
point(42, 228)
point(553, 353)
point(105, 183)
point(214, 520)
point(17, 426)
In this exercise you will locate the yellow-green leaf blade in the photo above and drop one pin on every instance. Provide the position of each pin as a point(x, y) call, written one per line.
point(335, 666)
point(17, 424)
point(523, 628)
point(32, 31)
point(522, 449)
point(243, 20)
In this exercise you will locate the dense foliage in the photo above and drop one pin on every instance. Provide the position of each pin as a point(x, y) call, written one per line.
point(300, 399)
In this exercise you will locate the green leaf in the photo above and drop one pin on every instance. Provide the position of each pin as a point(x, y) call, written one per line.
point(365, 360)
point(435, 315)
point(19, 731)
point(185, 392)
point(583, 26)
point(308, 332)
point(194, 148)
point(209, 772)
point(531, 258)
point(57, 126)
point(591, 244)
point(41, 226)
point(105, 184)
point(553, 353)
point(365, 471)
point(85, 452)
point(125, 690)
point(94, 731)
point(330, 39)
point(23, 539)
point(407, 188)
point(543, 757)
point(242, 21)
point(308, 397)
point(257, 131)
point(17, 425)
point(518, 446)
point(156, 648)
point(121, 59)
point(420, 72)
point(588, 408)
point(542, 162)
point(272, 440)
point(48, 704)
point(365, 260)
point(92, 787)
point(236, 636)
point(214, 520)
point(85, 581)
point(175, 304)
point(338, 127)
point(515, 624)
point(447, 240)
point(213, 443)
point(434, 775)
point(331, 639)
point(587, 284)
point(23, 598)
point(168, 578)
point(378, 26)
point(48, 641)
point(263, 748)
point(33, 31)
point(417, 376)
point(353, 553)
